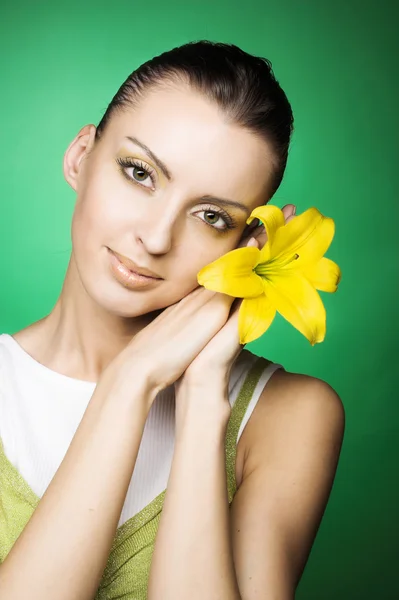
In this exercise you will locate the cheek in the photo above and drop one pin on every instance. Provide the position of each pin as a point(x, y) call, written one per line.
point(194, 255)
point(85, 230)
point(101, 208)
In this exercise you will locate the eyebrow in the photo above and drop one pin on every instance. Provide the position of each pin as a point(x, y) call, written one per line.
point(153, 156)
point(225, 202)
point(168, 175)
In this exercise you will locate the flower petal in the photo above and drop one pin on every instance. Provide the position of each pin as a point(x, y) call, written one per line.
point(324, 275)
point(233, 274)
point(299, 303)
point(309, 235)
point(254, 318)
point(271, 216)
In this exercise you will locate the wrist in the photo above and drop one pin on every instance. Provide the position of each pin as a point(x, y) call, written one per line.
point(203, 407)
point(123, 383)
point(213, 380)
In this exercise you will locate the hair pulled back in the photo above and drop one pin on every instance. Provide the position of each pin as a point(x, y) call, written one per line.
point(242, 85)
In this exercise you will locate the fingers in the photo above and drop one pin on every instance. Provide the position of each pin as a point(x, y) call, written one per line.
point(199, 299)
point(252, 242)
point(259, 232)
point(289, 212)
point(235, 306)
point(200, 296)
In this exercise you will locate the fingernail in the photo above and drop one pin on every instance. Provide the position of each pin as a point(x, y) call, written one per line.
point(294, 209)
point(252, 242)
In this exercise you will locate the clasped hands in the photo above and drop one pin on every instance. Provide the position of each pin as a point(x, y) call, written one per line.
point(214, 362)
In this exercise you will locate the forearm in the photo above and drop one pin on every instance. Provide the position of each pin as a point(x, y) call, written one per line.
point(193, 554)
point(63, 550)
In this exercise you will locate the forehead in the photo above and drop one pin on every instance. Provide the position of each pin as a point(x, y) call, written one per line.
point(198, 144)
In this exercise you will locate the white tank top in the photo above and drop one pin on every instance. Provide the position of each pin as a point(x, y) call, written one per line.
point(40, 411)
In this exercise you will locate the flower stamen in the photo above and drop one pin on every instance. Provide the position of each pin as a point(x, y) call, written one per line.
point(272, 279)
point(274, 264)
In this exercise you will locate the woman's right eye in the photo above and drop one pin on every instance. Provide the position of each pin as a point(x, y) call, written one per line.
point(139, 172)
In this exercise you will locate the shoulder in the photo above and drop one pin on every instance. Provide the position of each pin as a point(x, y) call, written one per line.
point(301, 396)
point(292, 445)
point(293, 411)
point(5, 352)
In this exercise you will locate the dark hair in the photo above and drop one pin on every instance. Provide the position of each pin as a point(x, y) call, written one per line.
point(244, 86)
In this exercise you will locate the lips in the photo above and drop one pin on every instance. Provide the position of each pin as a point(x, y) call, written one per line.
point(135, 268)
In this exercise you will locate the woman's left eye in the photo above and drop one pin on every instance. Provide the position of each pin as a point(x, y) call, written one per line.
point(140, 173)
point(212, 217)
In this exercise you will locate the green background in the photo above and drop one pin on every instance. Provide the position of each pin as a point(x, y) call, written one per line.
point(336, 61)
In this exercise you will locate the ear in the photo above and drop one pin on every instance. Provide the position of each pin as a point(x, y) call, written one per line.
point(76, 151)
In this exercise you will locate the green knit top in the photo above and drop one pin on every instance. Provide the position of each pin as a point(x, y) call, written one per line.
point(128, 567)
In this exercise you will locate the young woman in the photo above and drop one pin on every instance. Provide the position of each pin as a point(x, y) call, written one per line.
point(136, 383)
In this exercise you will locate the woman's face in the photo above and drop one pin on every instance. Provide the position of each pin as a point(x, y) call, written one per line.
point(170, 186)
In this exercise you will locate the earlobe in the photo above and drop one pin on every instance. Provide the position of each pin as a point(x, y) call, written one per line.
point(76, 151)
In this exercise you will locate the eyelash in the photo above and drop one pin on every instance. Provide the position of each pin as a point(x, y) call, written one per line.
point(230, 222)
point(125, 163)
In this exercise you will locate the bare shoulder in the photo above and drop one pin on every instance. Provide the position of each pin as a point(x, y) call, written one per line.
point(290, 451)
point(295, 413)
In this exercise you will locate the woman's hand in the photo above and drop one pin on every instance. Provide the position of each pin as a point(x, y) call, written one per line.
point(162, 351)
point(196, 337)
point(218, 356)
point(259, 232)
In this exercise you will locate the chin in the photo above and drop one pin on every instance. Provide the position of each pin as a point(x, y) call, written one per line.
point(114, 298)
point(125, 303)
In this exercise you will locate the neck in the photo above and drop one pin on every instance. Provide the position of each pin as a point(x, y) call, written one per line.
point(79, 338)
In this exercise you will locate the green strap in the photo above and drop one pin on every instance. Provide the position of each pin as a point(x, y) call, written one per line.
point(237, 415)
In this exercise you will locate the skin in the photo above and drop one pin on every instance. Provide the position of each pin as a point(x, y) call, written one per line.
point(162, 230)
point(288, 452)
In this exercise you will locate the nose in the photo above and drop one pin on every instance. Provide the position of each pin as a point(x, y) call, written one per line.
point(155, 231)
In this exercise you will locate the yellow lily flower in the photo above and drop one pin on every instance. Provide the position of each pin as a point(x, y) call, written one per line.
point(282, 276)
